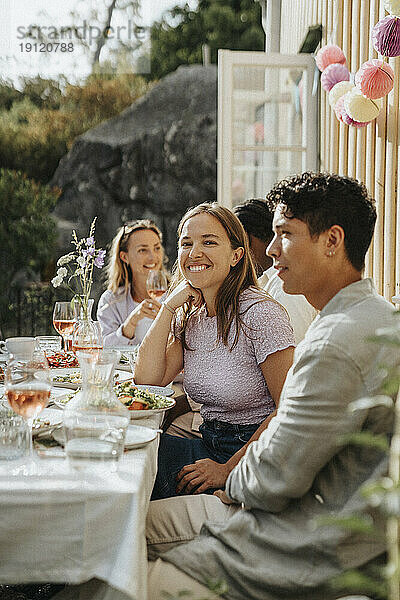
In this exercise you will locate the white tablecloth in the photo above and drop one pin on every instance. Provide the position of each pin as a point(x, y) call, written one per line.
point(64, 526)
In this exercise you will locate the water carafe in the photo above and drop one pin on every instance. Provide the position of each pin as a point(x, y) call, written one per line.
point(95, 421)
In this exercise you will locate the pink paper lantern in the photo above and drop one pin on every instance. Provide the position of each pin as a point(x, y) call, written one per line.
point(327, 55)
point(375, 78)
point(339, 107)
point(333, 74)
point(386, 36)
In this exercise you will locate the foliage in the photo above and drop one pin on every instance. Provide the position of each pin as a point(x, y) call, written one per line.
point(27, 232)
point(218, 588)
point(178, 38)
point(41, 125)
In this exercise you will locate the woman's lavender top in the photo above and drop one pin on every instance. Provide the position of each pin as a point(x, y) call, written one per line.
point(112, 311)
point(230, 384)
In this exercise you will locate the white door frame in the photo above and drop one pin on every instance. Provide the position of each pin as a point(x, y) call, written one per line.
point(227, 60)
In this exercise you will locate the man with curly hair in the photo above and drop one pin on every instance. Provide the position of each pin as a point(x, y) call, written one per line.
point(256, 217)
point(263, 540)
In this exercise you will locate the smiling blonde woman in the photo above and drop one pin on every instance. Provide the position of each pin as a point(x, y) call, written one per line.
point(234, 342)
point(125, 310)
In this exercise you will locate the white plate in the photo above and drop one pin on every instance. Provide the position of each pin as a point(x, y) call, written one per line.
point(73, 373)
point(157, 389)
point(47, 419)
point(62, 400)
point(136, 436)
point(70, 373)
point(142, 414)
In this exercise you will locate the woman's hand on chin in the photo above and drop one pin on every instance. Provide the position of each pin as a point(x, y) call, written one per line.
point(184, 292)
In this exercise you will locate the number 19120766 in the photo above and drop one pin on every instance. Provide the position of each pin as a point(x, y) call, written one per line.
point(47, 47)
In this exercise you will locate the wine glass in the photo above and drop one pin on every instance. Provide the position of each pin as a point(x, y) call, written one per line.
point(156, 284)
point(27, 388)
point(64, 321)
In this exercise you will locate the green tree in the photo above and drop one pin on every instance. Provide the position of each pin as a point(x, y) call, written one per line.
point(43, 121)
point(178, 38)
point(27, 232)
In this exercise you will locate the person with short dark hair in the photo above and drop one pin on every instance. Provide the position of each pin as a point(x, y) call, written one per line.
point(261, 540)
point(256, 218)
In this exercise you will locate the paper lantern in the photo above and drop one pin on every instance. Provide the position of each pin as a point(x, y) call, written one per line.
point(393, 7)
point(327, 55)
point(339, 107)
point(333, 74)
point(360, 108)
point(347, 120)
point(386, 36)
point(375, 78)
point(339, 90)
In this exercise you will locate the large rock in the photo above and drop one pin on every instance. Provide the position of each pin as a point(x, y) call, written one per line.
point(154, 160)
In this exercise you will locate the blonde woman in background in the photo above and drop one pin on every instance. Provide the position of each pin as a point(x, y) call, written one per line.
point(126, 311)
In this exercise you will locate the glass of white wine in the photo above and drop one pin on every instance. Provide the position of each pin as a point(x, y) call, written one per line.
point(27, 388)
point(157, 284)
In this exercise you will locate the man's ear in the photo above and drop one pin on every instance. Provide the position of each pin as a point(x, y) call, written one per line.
point(335, 239)
point(237, 255)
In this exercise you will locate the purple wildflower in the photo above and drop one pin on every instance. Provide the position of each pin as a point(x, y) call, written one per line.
point(88, 252)
point(90, 241)
point(99, 260)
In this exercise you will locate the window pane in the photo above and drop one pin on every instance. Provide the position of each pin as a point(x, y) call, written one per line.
point(267, 106)
point(255, 173)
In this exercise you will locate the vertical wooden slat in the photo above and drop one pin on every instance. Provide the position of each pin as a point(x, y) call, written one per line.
point(362, 57)
point(353, 62)
point(380, 157)
point(390, 187)
point(346, 46)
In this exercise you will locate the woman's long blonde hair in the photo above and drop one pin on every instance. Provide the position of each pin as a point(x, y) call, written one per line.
point(119, 273)
point(239, 278)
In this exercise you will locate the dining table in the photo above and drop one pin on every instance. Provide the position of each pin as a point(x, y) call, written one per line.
point(86, 529)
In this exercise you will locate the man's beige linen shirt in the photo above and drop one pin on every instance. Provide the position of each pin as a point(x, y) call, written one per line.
point(301, 468)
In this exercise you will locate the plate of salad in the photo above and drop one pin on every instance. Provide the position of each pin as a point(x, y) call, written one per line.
point(142, 400)
point(72, 378)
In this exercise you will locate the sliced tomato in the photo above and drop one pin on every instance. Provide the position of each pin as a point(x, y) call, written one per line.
point(138, 405)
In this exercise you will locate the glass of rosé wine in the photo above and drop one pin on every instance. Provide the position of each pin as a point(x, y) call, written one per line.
point(27, 386)
point(64, 321)
point(157, 284)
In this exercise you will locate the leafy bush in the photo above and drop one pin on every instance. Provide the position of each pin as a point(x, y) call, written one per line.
point(27, 233)
point(41, 125)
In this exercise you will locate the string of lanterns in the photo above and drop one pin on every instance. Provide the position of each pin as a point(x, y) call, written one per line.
point(357, 104)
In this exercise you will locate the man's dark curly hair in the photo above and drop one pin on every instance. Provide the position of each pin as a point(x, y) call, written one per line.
point(256, 218)
point(321, 200)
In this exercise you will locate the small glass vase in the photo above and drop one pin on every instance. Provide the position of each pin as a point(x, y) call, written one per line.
point(95, 420)
point(86, 335)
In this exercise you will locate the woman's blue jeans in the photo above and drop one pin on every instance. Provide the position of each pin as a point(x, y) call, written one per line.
point(219, 442)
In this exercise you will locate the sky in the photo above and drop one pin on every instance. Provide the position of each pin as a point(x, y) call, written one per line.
point(24, 56)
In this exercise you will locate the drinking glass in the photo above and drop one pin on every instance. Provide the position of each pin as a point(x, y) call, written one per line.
point(27, 387)
point(156, 284)
point(64, 321)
